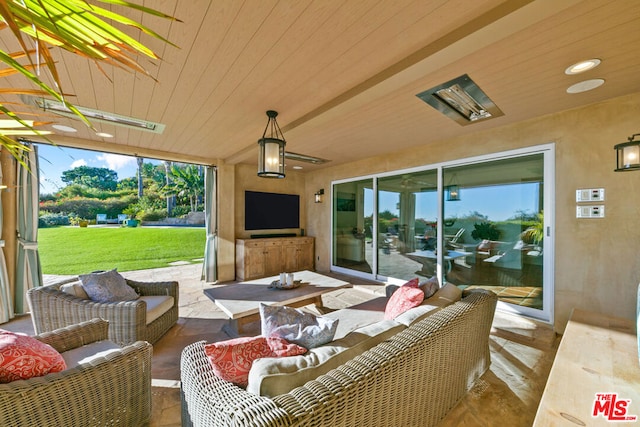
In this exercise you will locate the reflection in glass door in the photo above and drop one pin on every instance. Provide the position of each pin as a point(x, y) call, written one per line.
point(484, 223)
point(353, 225)
point(494, 228)
point(407, 219)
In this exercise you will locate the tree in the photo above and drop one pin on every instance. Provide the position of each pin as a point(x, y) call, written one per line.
point(76, 26)
point(186, 182)
point(140, 161)
point(128, 184)
point(171, 200)
point(100, 178)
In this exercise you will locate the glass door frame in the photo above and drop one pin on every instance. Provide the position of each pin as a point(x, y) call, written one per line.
point(548, 150)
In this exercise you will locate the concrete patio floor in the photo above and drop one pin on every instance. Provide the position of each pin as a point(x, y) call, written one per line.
point(522, 352)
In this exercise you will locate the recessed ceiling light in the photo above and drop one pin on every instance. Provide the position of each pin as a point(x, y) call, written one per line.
point(297, 167)
point(64, 128)
point(104, 135)
point(582, 66)
point(585, 86)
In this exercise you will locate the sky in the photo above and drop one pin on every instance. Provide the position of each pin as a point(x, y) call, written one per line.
point(498, 203)
point(55, 160)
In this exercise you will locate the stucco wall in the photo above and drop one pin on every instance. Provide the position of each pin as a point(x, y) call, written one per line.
point(596, 264)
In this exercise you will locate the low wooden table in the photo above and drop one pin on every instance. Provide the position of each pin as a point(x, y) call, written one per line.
point(597, 360)
point(241, 301)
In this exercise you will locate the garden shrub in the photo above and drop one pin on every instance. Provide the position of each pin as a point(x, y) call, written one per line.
point(88, 208)
point(180, 211)
point(53, 220)
point(152, 215)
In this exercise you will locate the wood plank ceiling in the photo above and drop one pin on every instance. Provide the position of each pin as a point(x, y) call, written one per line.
point(344, 74)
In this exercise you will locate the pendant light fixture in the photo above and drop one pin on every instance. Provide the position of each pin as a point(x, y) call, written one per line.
point(628, 155)
point(271, 145)
point(452, 191)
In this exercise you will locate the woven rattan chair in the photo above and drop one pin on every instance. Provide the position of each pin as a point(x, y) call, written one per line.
point(114, 390)
point(52, 309)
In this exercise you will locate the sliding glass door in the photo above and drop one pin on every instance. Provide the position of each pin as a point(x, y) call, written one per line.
point(477, 223)
point(407, 219)
point(353, 226)
point(494, 229)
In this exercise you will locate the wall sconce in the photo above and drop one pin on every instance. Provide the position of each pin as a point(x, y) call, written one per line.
point(271, 155)
point(628, 155)
point(319, 195)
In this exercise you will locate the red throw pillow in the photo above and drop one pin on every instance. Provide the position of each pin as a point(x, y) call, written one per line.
point(23, 357)
point(403, 299)
point(231, 360)
point(413, 283)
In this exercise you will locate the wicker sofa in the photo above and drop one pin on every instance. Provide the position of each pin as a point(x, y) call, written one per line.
point(413, 378)
point(113, 389)
point(51, 308)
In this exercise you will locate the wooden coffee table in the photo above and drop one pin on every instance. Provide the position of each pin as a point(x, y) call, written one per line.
point(241, 301)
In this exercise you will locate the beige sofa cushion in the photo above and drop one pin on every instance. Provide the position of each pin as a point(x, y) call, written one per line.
point(157, 305)
point(87, 353)
point(274, 376)
point(445, 296)
point(357, 316)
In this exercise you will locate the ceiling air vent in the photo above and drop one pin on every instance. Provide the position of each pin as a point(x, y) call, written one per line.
point(461, 100)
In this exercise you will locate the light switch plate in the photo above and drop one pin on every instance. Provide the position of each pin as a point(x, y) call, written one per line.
point(590, 195)
point(590, 211)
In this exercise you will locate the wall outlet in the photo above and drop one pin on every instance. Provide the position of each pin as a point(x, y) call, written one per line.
point(590, 211)
point(590, 195)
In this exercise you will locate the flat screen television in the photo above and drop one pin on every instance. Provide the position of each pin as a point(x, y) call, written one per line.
point(270, 211)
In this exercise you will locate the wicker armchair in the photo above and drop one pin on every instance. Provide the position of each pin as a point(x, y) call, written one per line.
point(52, 309)
point(114, 390)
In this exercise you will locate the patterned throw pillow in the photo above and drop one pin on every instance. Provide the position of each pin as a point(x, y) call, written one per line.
point(430, 287)
point(296, 326)
point(107, 286)
point(23, 357)
point(231, 360)
point(403, 299)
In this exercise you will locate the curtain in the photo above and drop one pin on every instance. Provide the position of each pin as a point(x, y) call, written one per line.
point(6, 306)
point(210, 265)
point(28, 270)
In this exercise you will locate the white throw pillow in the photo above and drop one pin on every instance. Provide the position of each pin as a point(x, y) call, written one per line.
point(296, 326)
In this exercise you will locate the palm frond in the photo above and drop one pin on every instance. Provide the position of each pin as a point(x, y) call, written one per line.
point(76, 26)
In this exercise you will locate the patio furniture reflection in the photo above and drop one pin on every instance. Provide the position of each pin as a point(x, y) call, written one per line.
point(451, 240)
point(429, 258)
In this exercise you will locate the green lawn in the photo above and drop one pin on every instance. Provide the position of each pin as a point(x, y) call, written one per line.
point(75, 250)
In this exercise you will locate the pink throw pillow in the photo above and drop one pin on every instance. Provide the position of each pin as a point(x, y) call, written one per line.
point(231, 360)
point(403, 299)
point(23, 357)
point(413, 283)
